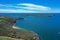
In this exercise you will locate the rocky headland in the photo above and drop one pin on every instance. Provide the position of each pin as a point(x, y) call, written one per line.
point(9, 30)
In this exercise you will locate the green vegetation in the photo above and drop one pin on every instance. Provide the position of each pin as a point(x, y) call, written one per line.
point(29, 37)
point(6, 39)
point(6, 29)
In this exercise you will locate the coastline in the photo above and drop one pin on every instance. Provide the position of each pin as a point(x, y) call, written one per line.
point(31, 32)
point(11, 30)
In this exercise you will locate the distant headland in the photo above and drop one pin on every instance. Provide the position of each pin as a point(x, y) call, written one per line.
point(37, 14)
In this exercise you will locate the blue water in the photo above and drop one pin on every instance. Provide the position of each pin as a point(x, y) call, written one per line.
point(48, 28)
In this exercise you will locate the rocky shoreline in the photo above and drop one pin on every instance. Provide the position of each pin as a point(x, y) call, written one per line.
point(35, 35)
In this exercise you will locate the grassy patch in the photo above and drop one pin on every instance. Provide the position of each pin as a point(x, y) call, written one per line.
point(6, 39)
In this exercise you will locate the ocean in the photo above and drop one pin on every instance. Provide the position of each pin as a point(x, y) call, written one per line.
point(48, 28)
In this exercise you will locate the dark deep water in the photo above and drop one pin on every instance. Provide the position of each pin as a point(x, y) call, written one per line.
point(48, 28)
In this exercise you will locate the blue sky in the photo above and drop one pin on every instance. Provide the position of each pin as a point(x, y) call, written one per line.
point(29, 6)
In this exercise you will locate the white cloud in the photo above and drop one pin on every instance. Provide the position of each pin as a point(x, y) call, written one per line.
point(23, 8)
point(35, 7)
point(15, 11)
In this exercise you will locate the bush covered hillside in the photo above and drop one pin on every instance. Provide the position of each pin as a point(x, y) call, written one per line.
point(7, 29)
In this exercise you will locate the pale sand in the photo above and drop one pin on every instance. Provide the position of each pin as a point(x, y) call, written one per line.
point(15, 27)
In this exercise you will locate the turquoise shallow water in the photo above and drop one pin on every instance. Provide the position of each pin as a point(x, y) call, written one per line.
point(48, 28)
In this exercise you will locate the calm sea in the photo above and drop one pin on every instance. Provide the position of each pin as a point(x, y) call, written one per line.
point(48, 28)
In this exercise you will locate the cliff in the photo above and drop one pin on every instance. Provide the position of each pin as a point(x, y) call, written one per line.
point(8, 29)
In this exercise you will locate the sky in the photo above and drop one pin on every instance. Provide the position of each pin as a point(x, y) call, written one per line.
point(29, 6)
